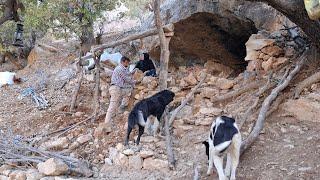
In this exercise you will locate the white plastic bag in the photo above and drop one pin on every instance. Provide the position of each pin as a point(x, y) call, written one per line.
point(6, 78)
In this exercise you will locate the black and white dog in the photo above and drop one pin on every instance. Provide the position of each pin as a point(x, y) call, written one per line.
point(154, 105)
point(224, 138)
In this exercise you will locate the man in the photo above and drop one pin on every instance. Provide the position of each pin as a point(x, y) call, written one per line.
point(146, 65)
point(122, 83)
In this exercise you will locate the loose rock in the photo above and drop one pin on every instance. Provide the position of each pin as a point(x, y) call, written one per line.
point(53, 167)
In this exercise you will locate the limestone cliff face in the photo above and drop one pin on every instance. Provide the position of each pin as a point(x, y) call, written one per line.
point(211, 30)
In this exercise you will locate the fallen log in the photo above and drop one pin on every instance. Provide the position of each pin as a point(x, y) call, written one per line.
point(268, 101)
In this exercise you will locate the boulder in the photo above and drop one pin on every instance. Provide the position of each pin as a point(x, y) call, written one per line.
point(128, 152)
point(113, 153)
point(252, 55)
point(203, 122)
point(208, 92)
point(183, 83)
point(256, 42)
point(53, 167)
point(274, 51)
point(303, 109)
point(155, 164)
point(221, 83)
point(191, 79)
point(267, 65)
point(84, 138)
point(178, 122)
point(121, 160)
point(210, 111)
point(279, 61)
point(120, 146)
point(138, 75)
point(18, 175)
point(135, 162)
point(108, 161)
point(58, 144)
point(33, 174)
point(102, 129)
point(146, 154)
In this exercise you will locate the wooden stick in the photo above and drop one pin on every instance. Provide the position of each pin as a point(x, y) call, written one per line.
point(267, 102)
point(188, 98)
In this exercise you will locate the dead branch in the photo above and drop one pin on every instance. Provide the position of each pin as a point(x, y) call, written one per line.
point(16, 150)
point(306, 83)
point(188, 98)
point(237, 92)
point(267, 102)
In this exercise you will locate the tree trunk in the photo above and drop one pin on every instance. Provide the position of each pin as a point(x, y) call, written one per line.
point(296, 12)
point(10, 11)
point(164, 45)
point(97, 87)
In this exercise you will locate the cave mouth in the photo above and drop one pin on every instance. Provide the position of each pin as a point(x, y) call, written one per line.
point(206, 37)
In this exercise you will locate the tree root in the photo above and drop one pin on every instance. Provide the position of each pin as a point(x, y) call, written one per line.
point(268, 101)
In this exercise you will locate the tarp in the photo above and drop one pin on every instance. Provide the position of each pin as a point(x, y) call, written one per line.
point(114, 58)
point(6, 78)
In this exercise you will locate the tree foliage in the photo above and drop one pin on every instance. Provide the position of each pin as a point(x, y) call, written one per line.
point(65, 18)
point(137, 8)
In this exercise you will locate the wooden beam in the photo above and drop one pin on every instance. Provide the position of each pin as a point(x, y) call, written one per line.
point(154, 31)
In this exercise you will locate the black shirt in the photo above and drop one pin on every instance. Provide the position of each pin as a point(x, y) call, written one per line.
point(145, 65)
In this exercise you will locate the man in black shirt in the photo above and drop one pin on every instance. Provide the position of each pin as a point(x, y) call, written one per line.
point(146, 65)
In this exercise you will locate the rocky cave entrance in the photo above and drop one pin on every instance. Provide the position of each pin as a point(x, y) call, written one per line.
point(206, 37)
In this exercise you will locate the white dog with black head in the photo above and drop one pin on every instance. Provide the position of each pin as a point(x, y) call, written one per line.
point(224, 139)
